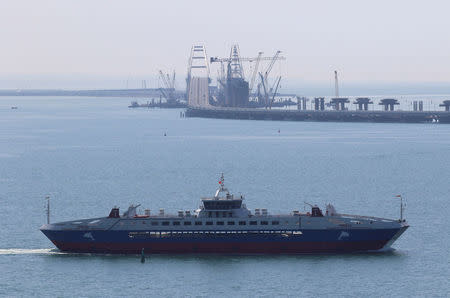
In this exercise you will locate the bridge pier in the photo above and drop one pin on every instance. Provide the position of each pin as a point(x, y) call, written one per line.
point(363, 103)
point(319, 103)
point(389, 103)
point(446, 105)
point(339, 103)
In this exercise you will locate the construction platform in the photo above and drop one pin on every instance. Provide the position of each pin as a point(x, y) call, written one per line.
point(323, 116)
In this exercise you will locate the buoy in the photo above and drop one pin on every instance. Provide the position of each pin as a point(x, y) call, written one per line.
point(142, 256)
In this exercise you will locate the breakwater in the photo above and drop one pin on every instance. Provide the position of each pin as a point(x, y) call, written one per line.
point(326, 115)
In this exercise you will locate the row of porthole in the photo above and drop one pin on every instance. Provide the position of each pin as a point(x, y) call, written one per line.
point(210, 223)
point(175, 233)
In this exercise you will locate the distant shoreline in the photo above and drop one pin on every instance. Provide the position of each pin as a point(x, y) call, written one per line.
point(156, 93)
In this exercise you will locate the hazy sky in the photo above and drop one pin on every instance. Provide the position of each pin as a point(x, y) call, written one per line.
point(87, 44)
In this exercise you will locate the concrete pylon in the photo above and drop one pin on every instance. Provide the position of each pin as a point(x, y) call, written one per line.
point(363, 103)
point(446, 105)
point(388, 103)
point(197, 84)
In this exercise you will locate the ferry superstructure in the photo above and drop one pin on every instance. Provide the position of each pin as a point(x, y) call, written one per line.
point(223, 225)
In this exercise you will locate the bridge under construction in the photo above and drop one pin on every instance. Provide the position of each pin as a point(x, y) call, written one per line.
point(326, 115)
point(237, 96)
point(233, 89)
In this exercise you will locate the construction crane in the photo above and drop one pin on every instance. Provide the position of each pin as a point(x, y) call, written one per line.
point(235, 62)
point(168, 92)
point(234, 69)
point(255, 71)
point(266, 94)
point(271, 64)
point(245, 59)
point(264, 80)
point(275, 92)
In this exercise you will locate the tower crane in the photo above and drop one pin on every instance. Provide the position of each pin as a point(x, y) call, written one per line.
point(246, 59)
point(236, 59)
point(235, 63)
point(234, 69)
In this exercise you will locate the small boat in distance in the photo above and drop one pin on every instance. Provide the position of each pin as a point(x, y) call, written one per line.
point(224, 225)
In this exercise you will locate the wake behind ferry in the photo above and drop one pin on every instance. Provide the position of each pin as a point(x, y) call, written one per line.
point(223, 225)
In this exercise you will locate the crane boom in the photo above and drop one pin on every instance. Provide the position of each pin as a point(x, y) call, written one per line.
point(169, 86)
point(275, 92)
point(163, 93)
point(255, 71)
point(169, 81)
point(246, 59)
point(164, 79)
point(266, 95)
point(272, 62)
point(173, 80)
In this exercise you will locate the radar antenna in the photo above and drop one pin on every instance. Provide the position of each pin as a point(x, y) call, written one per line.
point(221, 188)
point(222, 182)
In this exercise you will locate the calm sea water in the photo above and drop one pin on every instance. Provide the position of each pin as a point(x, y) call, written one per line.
point(90, 154)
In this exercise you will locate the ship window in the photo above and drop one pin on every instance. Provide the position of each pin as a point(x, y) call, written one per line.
point(176, 223)
point(224, 214)
point(219, 223)
point(187, 223)
point(209, 223)
point(198, 223)
point(165, 223)
point(275, 222)
point(231, 223)
point(253, 223)
point(155, 223)
point(242, 223)
point(264, 223)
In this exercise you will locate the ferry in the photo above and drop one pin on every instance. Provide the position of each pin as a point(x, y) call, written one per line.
point(224, 225)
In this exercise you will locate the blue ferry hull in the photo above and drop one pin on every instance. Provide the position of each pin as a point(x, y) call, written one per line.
point(309, 241)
